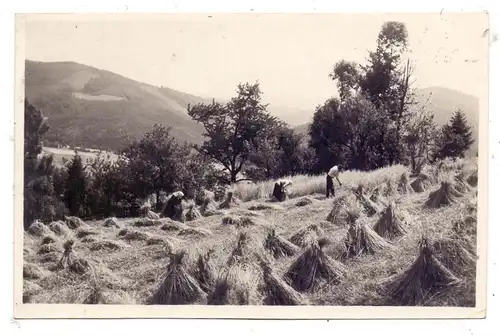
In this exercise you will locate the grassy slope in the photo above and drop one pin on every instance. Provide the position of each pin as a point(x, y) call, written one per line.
point(55, 88)
point(131, 275)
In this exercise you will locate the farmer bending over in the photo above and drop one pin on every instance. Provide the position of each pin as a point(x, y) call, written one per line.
point(333, 173)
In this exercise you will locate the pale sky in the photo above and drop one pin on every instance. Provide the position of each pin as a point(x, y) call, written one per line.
point(290, 55)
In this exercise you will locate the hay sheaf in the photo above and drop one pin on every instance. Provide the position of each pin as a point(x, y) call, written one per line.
point(404, 186)
point(243, 251)
point(205, 272)
point(170, 225)
point(304, 201)
point(84, 232)
point(60, 228)
point(426, 277)
point(279, 246)
point(108, 245)
point(146, 222)
point(48, 239)
point(444, 196)
point(377, 198)
point(361, 239)
point(466, 226)
point(178, 286)
point(194, 231)
point(306, 235)
point(112, 222)
point(421, 183)
point(391, 223)
point(472, 180)
point(48, 248)
point(313, 267)
point(237, 286)
point(192, 213)
point(71, 261)
point(238, 222)
point(130, 235)
point(32, 272)
point(38, 229)
point(455, 254)
point(339, 215)
point(231, 201)
point(389, 189)
point(264, 207)
point(74, 222)
point(276, 291)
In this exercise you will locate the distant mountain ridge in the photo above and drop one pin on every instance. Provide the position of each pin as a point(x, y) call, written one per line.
point(94, 108)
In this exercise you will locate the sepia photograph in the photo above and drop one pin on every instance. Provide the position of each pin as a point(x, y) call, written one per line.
point(274, 161)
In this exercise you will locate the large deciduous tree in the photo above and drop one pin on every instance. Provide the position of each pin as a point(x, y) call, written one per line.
point(233, 130)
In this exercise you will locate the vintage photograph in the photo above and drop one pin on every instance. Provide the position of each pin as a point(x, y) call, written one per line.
point(252, 159)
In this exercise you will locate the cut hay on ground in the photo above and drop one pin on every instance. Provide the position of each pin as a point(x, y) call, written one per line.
point(194, 231)
point(473, 179)
point(112, 222)
point(455, 254)
point(60, 228)
point(426, 277)
point(38, 229)
point(74, 222)
point(231, 201)
point(404, 186)
point(361, 239)
point(145, 222)
point(312, 267)
point(276, 291)
point(238, 222)
point(205, 272)
point(264, 206)
point(444, 196)
point(50, 257)
point(279, 246)
point(391, 223)
point(306, 235)
point(236, 287)
point(108, 245)
point(130, 235)
point(304, 201)
point(178, 287)
point(421, 183)
point(169, 225)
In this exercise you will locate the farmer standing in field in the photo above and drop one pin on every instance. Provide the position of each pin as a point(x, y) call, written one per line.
point(333, 173)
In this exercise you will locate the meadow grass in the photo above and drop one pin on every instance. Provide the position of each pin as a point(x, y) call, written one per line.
point(133, 273)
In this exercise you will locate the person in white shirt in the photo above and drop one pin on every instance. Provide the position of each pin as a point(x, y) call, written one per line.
point(333, 173)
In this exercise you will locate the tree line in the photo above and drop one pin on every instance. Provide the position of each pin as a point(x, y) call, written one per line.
point(374, 122)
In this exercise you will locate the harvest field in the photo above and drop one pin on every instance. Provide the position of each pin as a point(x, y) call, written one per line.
point(412, 243)
point(62, 154)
